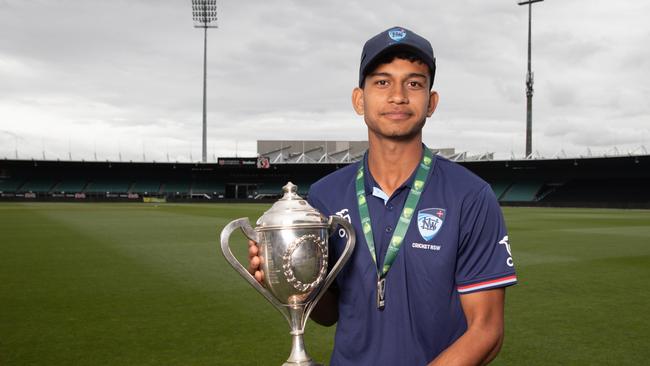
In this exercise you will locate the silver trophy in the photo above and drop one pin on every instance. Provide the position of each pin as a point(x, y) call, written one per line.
point(292, 237)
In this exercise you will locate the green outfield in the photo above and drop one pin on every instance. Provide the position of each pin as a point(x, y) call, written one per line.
point(140, 284)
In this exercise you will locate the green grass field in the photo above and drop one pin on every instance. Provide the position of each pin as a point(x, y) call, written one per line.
point(138, 284)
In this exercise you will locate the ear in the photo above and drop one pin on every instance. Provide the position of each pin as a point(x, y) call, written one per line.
point(433, 103)
point(357, 101)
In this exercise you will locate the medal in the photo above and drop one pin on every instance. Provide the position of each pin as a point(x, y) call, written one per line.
point(402, 224)
point(381, 293)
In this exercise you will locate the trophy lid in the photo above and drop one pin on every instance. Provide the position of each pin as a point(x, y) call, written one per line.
point(291, 210)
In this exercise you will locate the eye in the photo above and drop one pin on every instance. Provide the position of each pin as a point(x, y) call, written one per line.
point(381, 82)
point(415, 84)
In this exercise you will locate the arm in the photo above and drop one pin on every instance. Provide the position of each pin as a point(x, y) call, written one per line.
point(326, 311)
point(482, 341)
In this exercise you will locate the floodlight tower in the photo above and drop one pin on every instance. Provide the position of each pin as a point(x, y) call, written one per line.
point(204, 14)
point(529, 85)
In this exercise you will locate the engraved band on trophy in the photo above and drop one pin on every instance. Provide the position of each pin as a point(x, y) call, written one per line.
point(292, 237)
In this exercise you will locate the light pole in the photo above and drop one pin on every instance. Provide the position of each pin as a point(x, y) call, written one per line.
point(204, 14)
point(529, 86)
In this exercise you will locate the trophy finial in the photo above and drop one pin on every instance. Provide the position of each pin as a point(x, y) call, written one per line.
point(290, 191)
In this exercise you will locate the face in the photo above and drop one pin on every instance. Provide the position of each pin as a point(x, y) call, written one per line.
point(396, 100)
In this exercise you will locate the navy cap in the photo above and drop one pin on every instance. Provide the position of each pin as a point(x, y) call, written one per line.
point(392, 39)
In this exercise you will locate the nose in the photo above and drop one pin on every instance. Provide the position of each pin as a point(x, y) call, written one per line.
point(398, 95)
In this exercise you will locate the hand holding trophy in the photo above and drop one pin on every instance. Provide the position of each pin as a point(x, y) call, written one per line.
point(292, 238)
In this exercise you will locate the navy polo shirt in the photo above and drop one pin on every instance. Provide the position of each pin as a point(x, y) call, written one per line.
point(456, 243)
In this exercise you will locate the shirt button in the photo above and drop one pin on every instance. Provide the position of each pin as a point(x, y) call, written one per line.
point(389, 229)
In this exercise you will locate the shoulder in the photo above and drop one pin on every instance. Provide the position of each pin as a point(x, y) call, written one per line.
point(335, 181)
point(333, 187)
point(472, 196)
point(457, 177)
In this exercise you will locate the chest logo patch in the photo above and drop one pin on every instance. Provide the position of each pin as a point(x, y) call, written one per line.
point(430, 221)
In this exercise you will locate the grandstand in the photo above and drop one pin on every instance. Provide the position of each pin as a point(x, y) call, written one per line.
point(301, 151)
point(324, 152)
point(620, 181)
point(229, 178)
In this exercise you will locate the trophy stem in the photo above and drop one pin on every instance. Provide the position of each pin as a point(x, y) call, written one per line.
point(299, 356)
point(297, 318)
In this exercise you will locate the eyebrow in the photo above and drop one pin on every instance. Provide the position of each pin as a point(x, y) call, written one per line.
point(385, 74)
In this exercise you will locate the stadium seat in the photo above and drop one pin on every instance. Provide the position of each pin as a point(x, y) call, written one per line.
point(70, 185)
point(181, 187)
point(38, 185)
point(524, 191)
point(209, 187)
point(10, 184)
point(604, 191)
point(269, 189)
point(499, 188)
point(113, 186)
point(146, 186)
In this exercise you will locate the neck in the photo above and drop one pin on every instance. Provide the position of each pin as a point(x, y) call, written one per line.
point(391, 162)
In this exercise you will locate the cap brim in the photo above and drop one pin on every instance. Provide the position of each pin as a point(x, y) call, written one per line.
point(396, 47)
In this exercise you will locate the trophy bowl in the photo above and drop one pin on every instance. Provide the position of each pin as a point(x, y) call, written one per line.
point(293, 239)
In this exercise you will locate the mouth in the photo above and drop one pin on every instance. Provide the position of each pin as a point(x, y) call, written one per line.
point(397, 115)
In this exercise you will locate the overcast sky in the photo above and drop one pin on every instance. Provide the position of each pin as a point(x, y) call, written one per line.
point(123, 78)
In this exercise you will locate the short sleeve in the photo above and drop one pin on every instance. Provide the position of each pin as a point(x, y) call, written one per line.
point(313, 198)
point(484, 258)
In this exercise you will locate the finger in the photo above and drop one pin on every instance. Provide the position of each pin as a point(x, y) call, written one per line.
point(252, 251)
point(253, 264)
point(259, 276)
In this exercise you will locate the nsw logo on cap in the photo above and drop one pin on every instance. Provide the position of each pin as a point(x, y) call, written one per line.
point(397, 34)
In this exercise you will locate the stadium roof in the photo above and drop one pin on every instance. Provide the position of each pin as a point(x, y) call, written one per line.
point(321, 151)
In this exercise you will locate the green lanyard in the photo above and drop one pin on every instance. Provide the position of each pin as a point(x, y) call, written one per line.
point(402, 224)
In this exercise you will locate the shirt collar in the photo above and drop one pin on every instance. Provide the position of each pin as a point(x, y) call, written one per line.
point(369, 181)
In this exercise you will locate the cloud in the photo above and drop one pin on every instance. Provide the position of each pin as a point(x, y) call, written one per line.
point(116, 77)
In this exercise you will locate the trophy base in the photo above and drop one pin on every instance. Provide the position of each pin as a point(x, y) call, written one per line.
point(307, 363)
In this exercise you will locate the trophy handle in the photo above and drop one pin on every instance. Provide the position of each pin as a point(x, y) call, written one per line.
point(345, 256)
point(250, 233)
